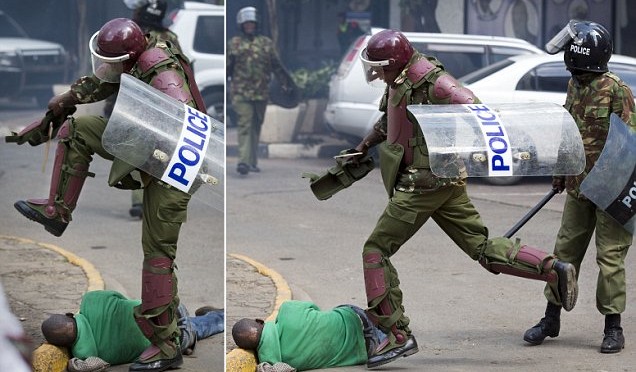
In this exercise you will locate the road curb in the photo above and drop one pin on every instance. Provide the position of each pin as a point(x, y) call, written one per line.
point(49, 358)
point(240, 360)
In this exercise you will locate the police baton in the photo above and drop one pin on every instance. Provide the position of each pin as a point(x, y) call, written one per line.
point(531, 213)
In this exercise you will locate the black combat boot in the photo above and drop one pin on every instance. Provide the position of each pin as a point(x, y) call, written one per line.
point(613, 341)
point(547, 326)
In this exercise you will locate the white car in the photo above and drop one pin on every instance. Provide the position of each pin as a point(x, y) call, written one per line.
point(201, 31)
point(352, 108)
point(540, 78)
point(29, 67)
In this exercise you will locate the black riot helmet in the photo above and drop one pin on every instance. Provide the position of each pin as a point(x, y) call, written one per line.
point(587, 46)
point(151, 15)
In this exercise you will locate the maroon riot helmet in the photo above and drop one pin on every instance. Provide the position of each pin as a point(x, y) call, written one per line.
point(388, 50)
point(115, 48)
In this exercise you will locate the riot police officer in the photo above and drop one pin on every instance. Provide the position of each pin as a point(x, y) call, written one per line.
point(251, 60)
point(593, 94)
point(416, 194)
point(119, 47)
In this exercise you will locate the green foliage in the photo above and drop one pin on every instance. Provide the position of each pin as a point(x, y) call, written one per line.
point(314, 83)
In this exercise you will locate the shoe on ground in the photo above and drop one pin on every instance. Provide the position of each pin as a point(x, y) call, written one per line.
point(206, 309)
point(254, 168)
point(408, 348)
point(243, 168)
point(567, 284)
point(547, 327)
point(34, 210)
point(613, 341)
point(158, 365)
point(136, 211)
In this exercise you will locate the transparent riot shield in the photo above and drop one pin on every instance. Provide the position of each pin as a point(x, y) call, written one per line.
point(499, 140)
point(169, 140)
point(611, 184)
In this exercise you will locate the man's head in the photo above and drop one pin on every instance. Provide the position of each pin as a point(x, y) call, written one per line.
point(247, 333)
point(386, 55)
point(246, 20)
point(60, 330)
point(151, 15)
point(115, 48)
point(587, 46)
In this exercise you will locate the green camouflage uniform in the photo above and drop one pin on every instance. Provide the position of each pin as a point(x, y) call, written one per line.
point(417, 195)
point(590, 100)
point(164, 207)
point(250, 62)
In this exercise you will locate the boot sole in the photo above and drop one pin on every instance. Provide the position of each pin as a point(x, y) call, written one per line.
point(612, 351)
point(568, 288)
point(404, 354)
point(53, 227)
point(537, 342)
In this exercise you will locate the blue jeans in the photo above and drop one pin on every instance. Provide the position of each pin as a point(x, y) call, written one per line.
point(195, 328)
point(208, 324)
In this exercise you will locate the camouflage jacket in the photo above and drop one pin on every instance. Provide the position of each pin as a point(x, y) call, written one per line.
point(250, 64)
point(591, 98)
point(418, 177)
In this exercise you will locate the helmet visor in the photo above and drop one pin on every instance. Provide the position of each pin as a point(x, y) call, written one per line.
point(108, 69)
point(559, 41)
point(373, 70)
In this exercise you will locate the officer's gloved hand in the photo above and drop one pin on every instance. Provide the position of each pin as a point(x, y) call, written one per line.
point(353, 156)
point(558, 183)
point(62, 101)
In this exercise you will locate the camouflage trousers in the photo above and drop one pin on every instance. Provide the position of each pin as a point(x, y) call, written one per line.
point(250, 116)
point(580, 220)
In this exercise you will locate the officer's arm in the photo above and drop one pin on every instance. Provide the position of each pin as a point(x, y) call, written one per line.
point(376, 135)
point(89, 89)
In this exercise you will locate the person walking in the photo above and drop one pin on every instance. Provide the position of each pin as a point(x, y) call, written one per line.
point(251, 60)
point(593, 94)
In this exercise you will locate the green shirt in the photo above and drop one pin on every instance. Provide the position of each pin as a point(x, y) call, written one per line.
point(305, 337)
point(106, 328)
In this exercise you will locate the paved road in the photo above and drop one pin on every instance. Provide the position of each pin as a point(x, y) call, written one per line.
point(464, 318)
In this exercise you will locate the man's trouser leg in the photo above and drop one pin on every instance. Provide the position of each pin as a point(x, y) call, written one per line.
point(250, 119)
point(580, 220)
point(78, 139)
point(461, 221)
point(402, 218)
point(165, 209)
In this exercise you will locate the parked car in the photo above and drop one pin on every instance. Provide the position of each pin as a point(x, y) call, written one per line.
point(352, 108)
point(201, 31)
point(533, 78)
point(29, 67)
point(538, 78)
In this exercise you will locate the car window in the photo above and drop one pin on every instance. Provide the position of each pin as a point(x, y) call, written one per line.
point(499, 53)
point(488, 70)
point(547, 77)
point(627, 73)
point(458, 60)
point(207, 38)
